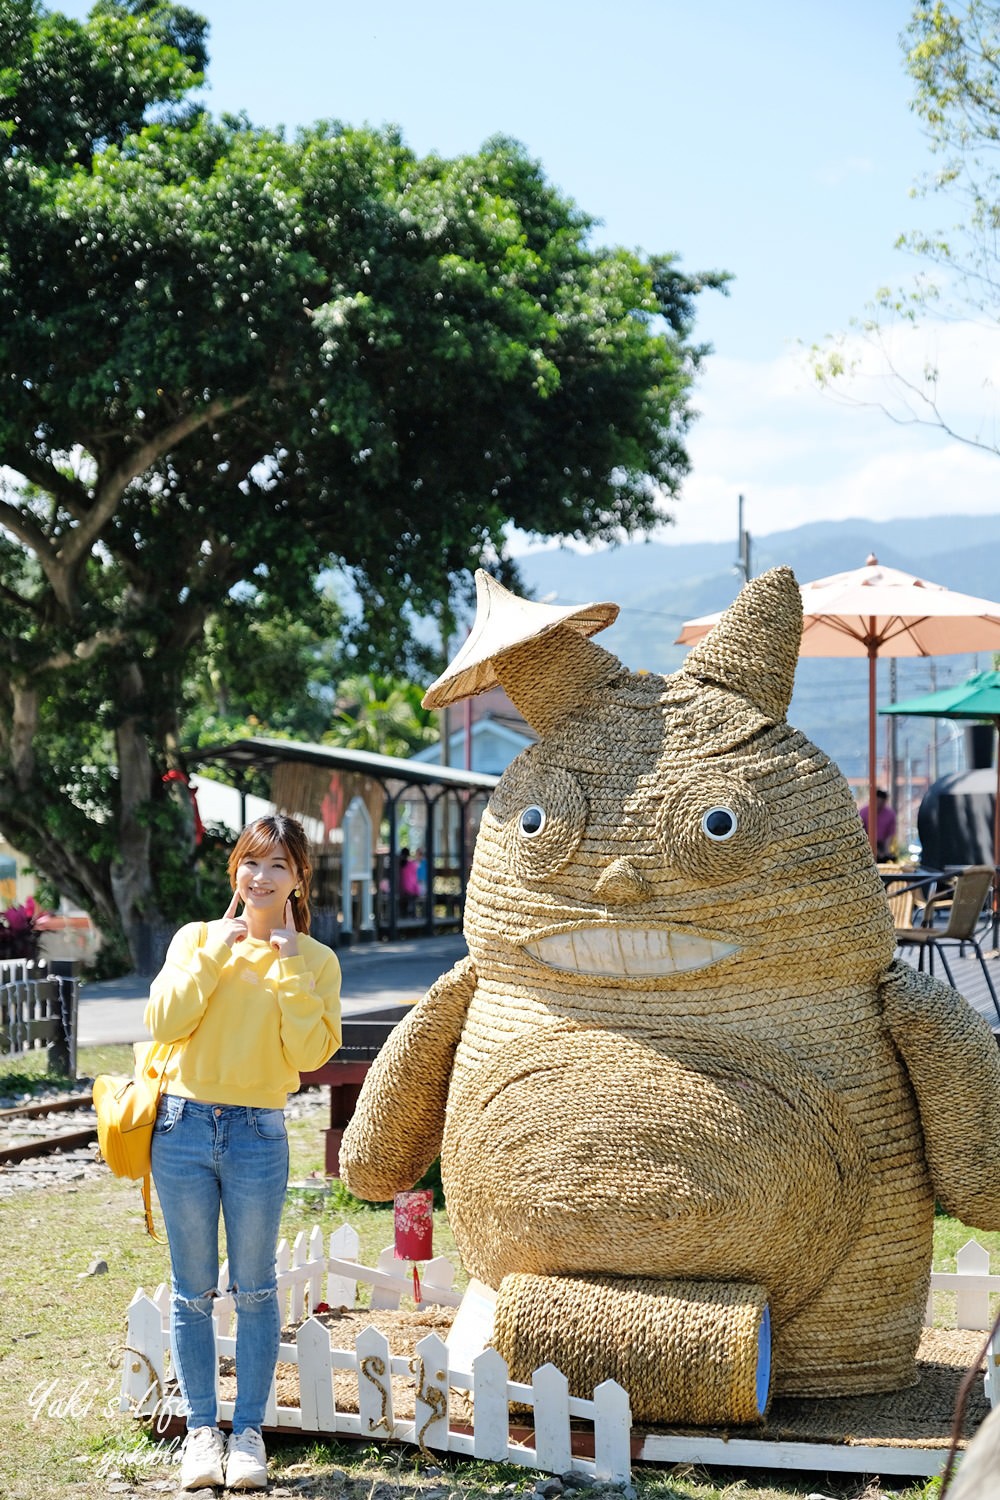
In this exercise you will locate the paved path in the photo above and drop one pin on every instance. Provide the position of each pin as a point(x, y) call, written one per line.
point(376, 975)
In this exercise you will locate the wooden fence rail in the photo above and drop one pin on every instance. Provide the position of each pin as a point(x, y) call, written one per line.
point(38, 1009)
point(310, 1273)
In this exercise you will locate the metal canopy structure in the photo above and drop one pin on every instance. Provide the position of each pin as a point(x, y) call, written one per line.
point(447, 795)
point(264, 754)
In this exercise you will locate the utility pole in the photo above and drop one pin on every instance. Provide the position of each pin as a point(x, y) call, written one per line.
point(445, 713)
point(743, 565)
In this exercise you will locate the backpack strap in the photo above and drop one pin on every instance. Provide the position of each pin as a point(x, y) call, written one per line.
point(147, 1207)
point(147, 1199)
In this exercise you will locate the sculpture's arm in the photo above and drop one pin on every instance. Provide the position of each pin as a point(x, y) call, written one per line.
point(397, 1126)
point(954, 1066)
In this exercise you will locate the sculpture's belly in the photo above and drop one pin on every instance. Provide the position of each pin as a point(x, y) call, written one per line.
point(703, 1155)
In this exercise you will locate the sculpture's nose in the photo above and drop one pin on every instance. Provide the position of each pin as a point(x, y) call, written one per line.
point(621, 884)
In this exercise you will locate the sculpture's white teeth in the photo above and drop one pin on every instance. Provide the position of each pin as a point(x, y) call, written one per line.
point(628, 952)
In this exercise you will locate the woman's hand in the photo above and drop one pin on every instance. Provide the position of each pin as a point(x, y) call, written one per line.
point(232, 929)
point(285, 940)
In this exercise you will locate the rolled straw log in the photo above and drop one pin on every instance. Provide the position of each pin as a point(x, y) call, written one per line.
point(691, 1351)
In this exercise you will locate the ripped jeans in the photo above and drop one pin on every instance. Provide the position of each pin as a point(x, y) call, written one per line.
point(233, 1157)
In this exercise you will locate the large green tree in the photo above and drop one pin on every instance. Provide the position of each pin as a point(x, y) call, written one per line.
point(952, 54)
point(232, 361)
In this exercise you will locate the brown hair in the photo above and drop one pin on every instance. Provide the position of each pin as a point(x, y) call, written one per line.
point(263, 835)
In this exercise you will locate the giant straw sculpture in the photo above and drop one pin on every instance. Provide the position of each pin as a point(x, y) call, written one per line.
point(685, 1101)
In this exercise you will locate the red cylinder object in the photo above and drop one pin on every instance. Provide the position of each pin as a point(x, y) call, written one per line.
point(414, 1224)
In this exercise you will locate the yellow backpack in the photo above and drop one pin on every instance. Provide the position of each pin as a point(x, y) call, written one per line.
point(126, 1113)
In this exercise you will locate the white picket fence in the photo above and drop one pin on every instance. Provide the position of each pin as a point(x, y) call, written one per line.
point(973, 1286)
point(308, 1274)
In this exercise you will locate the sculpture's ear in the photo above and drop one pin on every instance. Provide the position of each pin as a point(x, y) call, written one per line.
point(754, 647)
point(539, 653)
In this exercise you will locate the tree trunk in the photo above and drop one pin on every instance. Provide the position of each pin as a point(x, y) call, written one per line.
point(80, 879)
point(27, 825)
point(131, 878)
point(22, 737)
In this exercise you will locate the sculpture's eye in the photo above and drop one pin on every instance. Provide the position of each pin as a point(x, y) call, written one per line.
point(532, 821)
point(712, 824)
point(535, 818)
point(720, 823)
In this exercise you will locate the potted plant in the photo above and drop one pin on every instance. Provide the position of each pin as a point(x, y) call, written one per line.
point(21, 930)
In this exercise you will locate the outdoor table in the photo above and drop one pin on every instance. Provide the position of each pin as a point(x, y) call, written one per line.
point(916, 878)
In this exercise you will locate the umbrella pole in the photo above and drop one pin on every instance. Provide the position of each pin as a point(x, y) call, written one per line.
point(872, 808)
point(996, 842)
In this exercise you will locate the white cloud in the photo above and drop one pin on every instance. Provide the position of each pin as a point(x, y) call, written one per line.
point(798, 454)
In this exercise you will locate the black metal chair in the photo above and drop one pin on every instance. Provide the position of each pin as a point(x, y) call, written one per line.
point(963, 902)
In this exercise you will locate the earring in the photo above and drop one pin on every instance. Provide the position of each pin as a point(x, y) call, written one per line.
point(296, 892)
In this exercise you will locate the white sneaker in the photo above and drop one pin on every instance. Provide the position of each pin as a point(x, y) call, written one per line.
point(201, 1460)
point(246, 1461)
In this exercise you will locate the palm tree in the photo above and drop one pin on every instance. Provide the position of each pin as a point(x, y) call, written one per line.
point(381, 714)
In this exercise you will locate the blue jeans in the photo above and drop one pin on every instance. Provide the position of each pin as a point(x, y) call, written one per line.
point(207, 1157)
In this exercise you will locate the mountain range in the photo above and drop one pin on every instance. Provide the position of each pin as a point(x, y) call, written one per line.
point(660, 584)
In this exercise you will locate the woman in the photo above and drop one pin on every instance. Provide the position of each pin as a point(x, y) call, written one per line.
point(248, 1002)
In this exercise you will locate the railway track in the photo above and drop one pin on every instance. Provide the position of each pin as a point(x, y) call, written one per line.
point(41, 1138)
point(53, 1141)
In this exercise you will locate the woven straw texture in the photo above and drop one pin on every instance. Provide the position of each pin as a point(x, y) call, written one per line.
point(767, 1180)
point(684, 1050)
point(684, 1350)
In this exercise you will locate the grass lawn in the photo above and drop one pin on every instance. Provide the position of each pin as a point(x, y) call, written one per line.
point(62, 1334)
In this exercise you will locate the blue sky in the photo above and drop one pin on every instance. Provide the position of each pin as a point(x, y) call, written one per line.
point(774, 141)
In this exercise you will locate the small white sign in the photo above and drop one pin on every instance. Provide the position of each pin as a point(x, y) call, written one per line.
point(472, 1329)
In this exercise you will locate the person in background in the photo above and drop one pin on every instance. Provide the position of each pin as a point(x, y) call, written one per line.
point(409, 885)
point(246, 1002)
point(885, 825)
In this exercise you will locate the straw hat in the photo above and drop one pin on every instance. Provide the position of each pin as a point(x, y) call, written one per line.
point(504, 622)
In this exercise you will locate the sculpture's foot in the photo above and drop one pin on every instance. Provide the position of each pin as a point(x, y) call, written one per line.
point(694, 1352)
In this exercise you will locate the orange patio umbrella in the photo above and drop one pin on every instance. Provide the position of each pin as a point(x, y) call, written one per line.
point(875, 611)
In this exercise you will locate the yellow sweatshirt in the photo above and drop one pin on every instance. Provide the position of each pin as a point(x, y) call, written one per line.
point(249, 1021)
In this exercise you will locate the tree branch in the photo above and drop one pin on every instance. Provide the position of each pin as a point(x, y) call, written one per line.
point(913, 420)
point(910, 392)
point(72, 495)
point(24, 727)
point(22, 525)
point(110, 489)
point(75, 875)
point(20, 602)
point(82, 651)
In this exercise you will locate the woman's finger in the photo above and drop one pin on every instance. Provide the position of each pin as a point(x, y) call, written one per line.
point(234, 903)
point(289, 914)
